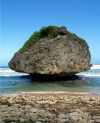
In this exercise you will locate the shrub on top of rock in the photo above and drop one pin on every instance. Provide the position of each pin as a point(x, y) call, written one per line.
point(45, 31)
point(50, 32)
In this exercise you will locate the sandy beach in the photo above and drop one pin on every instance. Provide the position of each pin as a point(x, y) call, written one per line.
point(49, 108)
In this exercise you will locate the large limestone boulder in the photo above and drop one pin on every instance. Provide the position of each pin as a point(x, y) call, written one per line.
point(64, 55)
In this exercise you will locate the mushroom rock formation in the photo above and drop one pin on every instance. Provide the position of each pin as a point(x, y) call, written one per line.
point(62, 54)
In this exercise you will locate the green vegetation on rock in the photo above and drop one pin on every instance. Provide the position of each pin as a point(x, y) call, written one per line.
point(46, 31)
point(69, 33)
point(78, 38)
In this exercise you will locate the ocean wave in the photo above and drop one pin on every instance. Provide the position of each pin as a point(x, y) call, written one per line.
point(89, 75)
point(60, 92)
point(6, 71)
point(95, 67)
point(9, 75)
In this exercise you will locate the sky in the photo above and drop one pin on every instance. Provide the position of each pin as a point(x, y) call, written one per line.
point(20, 18)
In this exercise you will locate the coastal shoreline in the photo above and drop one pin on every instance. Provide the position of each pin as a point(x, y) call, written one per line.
point(69, 93)
point(58, 107)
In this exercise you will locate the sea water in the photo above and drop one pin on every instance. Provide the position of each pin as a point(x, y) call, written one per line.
point(14, 82)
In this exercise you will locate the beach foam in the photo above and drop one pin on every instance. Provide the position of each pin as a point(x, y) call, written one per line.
point(10, 72)
point(89, 75)
point(6, 72)
point(95, 67)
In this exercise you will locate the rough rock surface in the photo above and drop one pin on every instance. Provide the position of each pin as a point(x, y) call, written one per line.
point(62, 55)
point(49, 108)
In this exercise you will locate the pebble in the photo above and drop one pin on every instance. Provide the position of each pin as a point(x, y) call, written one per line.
point(96, 119)
point(50, 109)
